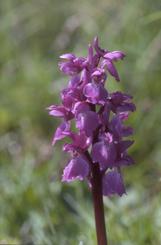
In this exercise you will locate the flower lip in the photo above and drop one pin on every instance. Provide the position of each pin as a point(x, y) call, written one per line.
point(113, 184)
point(104, 153)
point(77, 169)
point(87, 122)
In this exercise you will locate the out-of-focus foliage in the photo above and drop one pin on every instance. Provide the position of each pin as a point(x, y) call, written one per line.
point(35, 207)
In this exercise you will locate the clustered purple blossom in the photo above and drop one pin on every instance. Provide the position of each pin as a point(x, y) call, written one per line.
point(99, 131)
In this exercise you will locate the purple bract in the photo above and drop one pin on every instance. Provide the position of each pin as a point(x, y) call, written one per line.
point(99, 118)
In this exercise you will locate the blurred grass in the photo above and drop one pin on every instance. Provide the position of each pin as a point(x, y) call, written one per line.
point(35, 207)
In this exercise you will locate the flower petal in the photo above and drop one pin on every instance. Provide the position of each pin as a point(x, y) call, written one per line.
point(111, 68)
point(60, 111)
point(114, 55)
point(77, 168)
point(95, 93)
point(68, 68)
point(87, 122)
point(124, 145)
point(81, 140)
point(80, 107)
point(121, 102)
point(113, 184)
point(99, 51)
point(67, 56)
point(105, 115)
point(125, 160)
point(56, 110)
point(74, 81)
point(104, 153)
point(62, 131)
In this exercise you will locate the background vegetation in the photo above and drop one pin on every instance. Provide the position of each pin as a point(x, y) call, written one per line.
point(35, 207)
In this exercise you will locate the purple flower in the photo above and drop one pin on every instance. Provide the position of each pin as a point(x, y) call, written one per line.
point(62, 131)
point(93, 119)
point(113, 184)
point(117, 128)
point(80, 107)
point(74, 82)
point(99, 75)
point(70, 96)
point(105, 114)
point(59, 111)
point(108, 64)
point(104, 153)
point(80, 143)
point(109, 57)
point(71, 65)
point(87, 122)
point(77, 168)
point(95, 93)
point(121, 102)
point(114, 55)
point(99, 51)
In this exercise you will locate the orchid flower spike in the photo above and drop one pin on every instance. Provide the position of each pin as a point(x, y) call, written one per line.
point(99, 116)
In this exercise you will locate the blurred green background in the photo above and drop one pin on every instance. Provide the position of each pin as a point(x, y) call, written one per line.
point(35, 207)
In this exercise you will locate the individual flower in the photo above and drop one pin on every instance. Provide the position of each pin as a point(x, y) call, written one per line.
point(71, 65)
point(104, 153)
point(77, 168)
point(61, 132)
point(87, 122)
point(113, 184)
point(80, 143)
point(95, 93)
point(121, 102)
point(60, 111)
